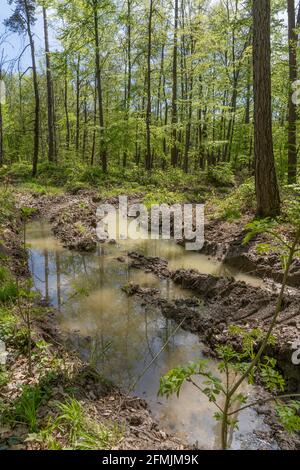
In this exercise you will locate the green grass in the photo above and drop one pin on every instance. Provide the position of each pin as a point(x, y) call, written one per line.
point(232, 207)
point(8, 288)
point(4, 376)
point(170, 186)
point(77, 430)
point(7, 210)
point(26, 407)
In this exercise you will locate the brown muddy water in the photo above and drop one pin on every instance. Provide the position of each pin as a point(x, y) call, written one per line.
point(121, 337)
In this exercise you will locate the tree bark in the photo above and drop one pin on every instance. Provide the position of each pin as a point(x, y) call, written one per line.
point(292, 115)
point(129, 79)
point(1, 131)
point(103, 152)
point(148, 160)
point(36, 93)
point(66, 106)
point(267, 192)
point(174, 151)
point(50, 94)
point(77, 103)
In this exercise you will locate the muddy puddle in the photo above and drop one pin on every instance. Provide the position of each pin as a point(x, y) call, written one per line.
point(121, 337)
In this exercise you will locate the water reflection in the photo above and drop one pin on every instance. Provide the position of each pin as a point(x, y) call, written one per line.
point(121, 335)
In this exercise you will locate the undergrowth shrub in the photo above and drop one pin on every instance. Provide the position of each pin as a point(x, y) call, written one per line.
point(163, 196)
point(6, 205)
point(74, 429)
point(27, 405)
point(241, 200)
point(8, 288)
point(221, 174)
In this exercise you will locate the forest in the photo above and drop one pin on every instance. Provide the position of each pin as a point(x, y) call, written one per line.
point(135, 343)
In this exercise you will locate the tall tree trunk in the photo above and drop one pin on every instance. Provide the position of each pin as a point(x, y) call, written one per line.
point(174, 151)
point(267, 192)
point(292, 118)
point(188, 128)
point(85, 130)
point(103, 152)
point(1, 128)
point(36, 93)
point(148, 160)
point(94, 130)
point(50, 97)
point(129, 79)
point(77, 104)
point(66, 106)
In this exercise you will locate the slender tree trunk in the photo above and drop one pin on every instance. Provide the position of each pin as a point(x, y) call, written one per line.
point(77, 104)
point(85, 130)
point(160, 81)
point(50, 97)
point(129, 80)
point(1, 135)
point(174, 151)
point(103, 152)
point(148, 160)
point(189, 125)
point(36, 93)
point(66, 106)
point(267, 192)
point(94, 130)
point(191, 131)
point(248, 95)
point(292, 117)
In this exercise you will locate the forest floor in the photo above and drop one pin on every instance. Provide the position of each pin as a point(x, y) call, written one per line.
point(36, 407)
point(73, 220)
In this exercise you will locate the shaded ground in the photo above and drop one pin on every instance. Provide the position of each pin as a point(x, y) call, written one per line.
point(218, 303)
point(64, 373)
point(73, 219)
point(227, 302)
point(225, 241)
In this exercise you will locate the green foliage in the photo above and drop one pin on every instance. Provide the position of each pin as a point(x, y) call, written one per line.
point(27, 212)
point(7, 324)
point(74, 187)
point(291, 206)
point(172, 382)
point(78, 430)
point(279, 243)
point(221, 174)
point(8, 287)
point(257, 227)
point(4, 376)
point(241, 200)
point(239, 361)
point(18, 171)
point(289, 415)
point(41, 189)
point(7, 210)
point(162, 196)
point(27, 405)
point(232, 363)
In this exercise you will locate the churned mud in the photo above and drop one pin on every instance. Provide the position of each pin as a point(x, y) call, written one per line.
point(103, 403)
point(218, 302)
point(225, 241)
point(73, 219)
point(225, 302)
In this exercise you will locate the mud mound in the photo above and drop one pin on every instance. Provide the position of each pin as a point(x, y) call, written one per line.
point(224, 240)
point(225, 302)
